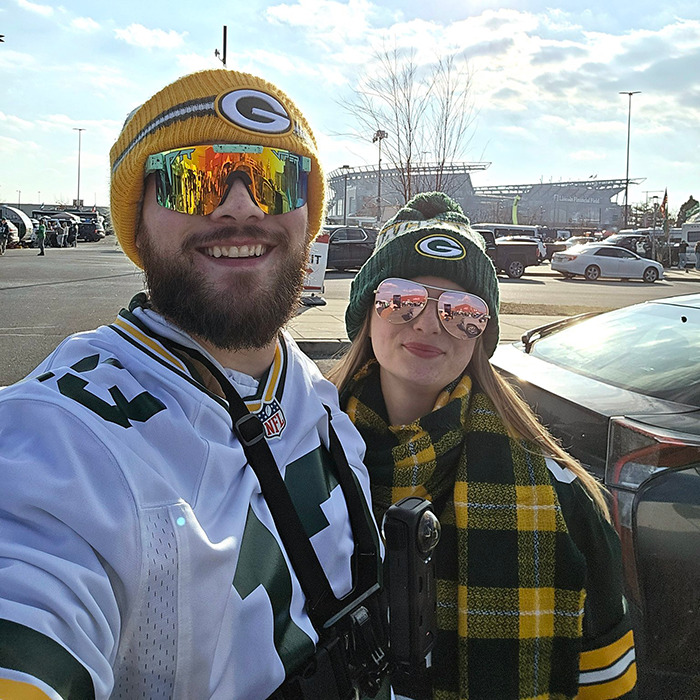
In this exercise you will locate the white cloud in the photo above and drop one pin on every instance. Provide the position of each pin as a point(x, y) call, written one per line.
point(44, 10)
point(587, 154)
point(138, 35)
point(17, 61)
point(326, 17)
point(191, 62)
point(85, 24)
point(13, 123)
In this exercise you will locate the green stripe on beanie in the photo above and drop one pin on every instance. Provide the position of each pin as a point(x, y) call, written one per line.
point(429, 236)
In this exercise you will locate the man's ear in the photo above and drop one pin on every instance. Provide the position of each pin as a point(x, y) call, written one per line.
point(139, 223)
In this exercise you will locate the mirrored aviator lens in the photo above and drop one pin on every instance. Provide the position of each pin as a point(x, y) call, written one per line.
point(399, 301)
point(463, 316)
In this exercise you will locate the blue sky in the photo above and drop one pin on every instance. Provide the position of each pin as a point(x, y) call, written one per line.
point(546, 77)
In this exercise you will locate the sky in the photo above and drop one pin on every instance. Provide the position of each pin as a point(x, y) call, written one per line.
point(545, 81)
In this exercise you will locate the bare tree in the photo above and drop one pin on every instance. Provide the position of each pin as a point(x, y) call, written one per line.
point(426, 111)
point(451, 117)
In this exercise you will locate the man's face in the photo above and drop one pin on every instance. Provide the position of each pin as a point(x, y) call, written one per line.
point(231, 278)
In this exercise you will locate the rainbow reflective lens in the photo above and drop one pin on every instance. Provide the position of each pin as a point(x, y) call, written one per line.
point(462, 315)
point(197, 179)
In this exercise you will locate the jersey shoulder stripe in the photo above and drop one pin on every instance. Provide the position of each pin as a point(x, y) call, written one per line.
point(26, 654)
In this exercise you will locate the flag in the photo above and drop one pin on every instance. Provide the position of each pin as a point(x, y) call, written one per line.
point(664, 205)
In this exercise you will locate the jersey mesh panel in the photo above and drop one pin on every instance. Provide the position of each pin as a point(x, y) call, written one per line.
point(147, 660)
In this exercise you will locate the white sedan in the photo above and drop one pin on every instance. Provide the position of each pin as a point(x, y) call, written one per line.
point(594, 260)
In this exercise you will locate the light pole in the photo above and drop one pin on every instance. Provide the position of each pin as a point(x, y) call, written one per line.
point(345, 194)
point(222, 56)
point(39, 196)
point(19, 198)
point(379, 136)
point(627, 172)
point(80, 135)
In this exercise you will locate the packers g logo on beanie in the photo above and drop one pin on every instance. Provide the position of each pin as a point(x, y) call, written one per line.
point(444, 247)
point(213, 106)
point(254, 110)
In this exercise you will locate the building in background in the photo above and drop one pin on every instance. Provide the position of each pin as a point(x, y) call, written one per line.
point(575, 205)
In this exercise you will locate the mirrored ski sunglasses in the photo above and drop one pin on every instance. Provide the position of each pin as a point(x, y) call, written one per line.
point(197, 179)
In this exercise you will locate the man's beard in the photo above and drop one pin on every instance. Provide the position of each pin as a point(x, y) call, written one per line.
point(247, 315)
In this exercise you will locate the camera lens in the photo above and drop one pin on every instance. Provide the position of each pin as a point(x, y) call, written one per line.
point(428, 533)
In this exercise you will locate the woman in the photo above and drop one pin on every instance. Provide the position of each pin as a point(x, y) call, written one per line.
point(530, 601)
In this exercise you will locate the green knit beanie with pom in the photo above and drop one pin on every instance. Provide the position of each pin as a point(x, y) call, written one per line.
point(429, 236)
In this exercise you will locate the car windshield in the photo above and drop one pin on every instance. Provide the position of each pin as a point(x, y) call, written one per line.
point(652, 349)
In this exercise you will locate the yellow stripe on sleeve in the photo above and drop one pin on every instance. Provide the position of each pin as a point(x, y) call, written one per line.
point(612, 689)
point(17, 690)
point(604, 656)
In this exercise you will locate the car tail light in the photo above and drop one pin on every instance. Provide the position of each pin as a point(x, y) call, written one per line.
point(565, 257)
point(636, 455)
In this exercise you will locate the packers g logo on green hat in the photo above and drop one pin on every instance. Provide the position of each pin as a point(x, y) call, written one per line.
point(441, 247)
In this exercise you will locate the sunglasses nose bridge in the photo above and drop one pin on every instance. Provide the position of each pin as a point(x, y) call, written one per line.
point(238, 202)
point(428, 318)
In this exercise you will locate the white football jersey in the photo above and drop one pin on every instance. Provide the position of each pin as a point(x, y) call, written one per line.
point(138, 557)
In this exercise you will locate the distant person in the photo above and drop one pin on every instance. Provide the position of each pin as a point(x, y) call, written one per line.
point(697, 255)
point(62, 235)
point(683, 255)
point(41, 236)
point(72, 239)
point(4, 235)
point(529, 575)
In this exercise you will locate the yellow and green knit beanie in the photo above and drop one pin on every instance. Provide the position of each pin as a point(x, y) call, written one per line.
point(212, 106)
point(429, 236)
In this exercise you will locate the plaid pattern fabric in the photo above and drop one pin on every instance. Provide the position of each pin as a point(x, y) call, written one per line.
point(510, 579)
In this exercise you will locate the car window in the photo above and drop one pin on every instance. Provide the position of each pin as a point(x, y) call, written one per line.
point(355, 234)
point(340, 235)
point(606, 252)
point(651, 349)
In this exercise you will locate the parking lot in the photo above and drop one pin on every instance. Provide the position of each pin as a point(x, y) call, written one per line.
point(72, 289)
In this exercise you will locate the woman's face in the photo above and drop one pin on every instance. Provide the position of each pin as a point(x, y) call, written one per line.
point(420, 354)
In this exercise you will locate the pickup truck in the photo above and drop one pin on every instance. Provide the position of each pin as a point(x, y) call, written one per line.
point(511, 257)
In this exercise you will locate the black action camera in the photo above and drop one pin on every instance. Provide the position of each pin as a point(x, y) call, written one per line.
point(411, 531)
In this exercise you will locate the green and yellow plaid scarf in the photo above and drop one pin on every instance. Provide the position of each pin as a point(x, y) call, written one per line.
point(510, 579)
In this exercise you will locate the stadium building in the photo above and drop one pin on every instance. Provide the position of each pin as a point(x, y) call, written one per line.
point(575, 205)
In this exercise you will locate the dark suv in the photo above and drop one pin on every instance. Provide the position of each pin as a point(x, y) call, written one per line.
point(349, 246)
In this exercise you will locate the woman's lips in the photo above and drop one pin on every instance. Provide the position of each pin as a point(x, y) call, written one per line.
point(424, 351)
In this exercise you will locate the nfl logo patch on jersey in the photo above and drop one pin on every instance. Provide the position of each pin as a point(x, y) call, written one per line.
point(272, 418)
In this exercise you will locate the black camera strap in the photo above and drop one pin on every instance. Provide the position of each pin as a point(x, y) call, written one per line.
point(322, 606)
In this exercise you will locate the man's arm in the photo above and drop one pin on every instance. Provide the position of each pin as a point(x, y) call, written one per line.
point(59, 615)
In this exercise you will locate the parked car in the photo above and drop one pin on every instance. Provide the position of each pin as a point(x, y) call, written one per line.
point(511, 257)
point(621, 391)
point(349, 246)
point(541, 247)
point(578, 240)
point(637, 243)
point(595, 260)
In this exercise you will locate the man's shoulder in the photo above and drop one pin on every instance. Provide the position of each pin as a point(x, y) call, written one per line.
point(90, 361)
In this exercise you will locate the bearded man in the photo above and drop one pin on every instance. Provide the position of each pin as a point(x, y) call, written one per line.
point(143, 550)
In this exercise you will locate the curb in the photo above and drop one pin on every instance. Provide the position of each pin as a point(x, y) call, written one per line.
point(323, 349)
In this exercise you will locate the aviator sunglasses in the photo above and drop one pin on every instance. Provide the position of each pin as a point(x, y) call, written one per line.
point(197, 179)
point(462, 315)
